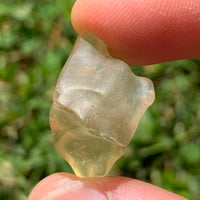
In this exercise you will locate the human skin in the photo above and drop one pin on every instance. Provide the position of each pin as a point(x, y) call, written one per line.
point(64, 186)
point(140, 32)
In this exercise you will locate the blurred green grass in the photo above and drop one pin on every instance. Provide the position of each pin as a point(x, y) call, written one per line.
point(36, 38)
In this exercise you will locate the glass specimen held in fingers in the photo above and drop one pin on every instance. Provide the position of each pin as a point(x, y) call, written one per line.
point(97, 105)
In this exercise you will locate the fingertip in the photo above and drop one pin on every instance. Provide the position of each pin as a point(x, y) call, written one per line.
point(63, 186)
point(75, 17)
point(103, 18)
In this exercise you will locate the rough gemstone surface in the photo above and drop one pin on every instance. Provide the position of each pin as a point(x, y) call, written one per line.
point(97, 105)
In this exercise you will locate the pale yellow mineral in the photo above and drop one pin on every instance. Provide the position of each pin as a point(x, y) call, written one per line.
point(97, 105)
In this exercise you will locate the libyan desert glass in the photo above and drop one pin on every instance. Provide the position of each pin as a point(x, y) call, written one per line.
point(97, 105)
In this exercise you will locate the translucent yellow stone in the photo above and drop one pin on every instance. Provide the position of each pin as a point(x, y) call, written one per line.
point(97, 105)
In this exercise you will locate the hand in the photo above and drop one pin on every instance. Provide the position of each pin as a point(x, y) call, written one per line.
point(139, 32)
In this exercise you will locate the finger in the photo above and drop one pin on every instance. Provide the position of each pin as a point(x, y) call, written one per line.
point(122, 188)
point(66, 186)
point(142, 32)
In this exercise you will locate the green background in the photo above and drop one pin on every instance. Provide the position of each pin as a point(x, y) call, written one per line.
point(36, 38)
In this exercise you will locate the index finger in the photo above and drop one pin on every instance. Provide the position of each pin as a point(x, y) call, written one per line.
point(142, 32)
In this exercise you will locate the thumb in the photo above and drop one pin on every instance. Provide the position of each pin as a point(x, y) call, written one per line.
point(62, 186)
